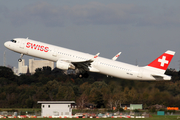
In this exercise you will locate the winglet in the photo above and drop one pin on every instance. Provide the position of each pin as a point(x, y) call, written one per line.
point(92, 59)
point(116, 56)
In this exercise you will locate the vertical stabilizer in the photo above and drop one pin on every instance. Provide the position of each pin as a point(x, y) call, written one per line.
point(162, 62)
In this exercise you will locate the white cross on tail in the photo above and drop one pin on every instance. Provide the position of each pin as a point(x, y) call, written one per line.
point(163, 61)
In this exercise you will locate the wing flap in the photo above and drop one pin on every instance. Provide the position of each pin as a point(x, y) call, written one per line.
point(85, 64)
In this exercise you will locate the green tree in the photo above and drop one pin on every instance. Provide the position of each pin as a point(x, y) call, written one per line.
point(65, 93)
point(96, 97)
point(6, 72)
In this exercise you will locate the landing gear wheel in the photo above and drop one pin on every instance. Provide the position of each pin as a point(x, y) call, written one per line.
point(80, 75)
point(19, 60)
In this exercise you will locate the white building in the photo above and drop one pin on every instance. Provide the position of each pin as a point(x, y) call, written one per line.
point(56, 108)
point(22, 68)
point(15, 70)
point(33, 65)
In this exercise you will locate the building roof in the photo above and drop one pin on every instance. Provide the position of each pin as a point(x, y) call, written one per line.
point(55, 102)
point(125, 105)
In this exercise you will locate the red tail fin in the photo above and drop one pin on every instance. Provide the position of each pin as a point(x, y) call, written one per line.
point(163, 61)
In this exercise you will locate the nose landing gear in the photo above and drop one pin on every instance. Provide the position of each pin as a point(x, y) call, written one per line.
point(20, 59)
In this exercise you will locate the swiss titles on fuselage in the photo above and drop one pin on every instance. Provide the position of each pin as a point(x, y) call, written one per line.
point(37, 47)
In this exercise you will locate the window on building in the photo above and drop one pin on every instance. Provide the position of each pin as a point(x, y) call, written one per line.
point(66, 113)
point(48, 106)
point(43, 106)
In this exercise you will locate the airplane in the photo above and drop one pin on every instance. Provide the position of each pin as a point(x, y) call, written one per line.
point(83, 63)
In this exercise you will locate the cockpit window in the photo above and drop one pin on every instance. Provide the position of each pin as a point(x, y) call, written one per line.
point(14, 41)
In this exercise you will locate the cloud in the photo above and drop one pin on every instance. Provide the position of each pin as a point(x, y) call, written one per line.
point(93, 13)
point(97, 13)
point(168, 17)
point(41, 12)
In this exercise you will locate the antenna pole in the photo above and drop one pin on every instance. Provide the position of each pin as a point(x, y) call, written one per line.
point(4, 63)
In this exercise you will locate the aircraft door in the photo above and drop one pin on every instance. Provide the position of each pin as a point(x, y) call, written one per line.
point(22, 44)
point(140, 73)
point(54, 53)
point(22, 47)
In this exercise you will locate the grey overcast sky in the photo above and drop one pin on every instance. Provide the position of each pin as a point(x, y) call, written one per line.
point(141, 29)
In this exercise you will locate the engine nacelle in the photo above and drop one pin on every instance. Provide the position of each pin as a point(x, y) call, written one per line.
point(64, 65)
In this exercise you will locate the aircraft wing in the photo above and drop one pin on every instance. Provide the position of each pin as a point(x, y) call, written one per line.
point(84, 65)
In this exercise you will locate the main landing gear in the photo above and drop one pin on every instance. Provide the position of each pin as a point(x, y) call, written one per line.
point(20, 59)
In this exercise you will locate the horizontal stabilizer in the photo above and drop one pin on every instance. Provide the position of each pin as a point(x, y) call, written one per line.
point(157, 75)
point(161, 77)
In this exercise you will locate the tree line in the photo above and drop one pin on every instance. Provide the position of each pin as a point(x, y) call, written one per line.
point(104, 92)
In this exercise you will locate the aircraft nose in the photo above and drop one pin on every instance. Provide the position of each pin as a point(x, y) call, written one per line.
point(6, 44)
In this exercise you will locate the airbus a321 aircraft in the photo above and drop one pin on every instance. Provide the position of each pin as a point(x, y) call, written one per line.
point(83, 63)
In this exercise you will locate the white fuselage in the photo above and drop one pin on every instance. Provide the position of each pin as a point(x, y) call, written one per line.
point(100, 64)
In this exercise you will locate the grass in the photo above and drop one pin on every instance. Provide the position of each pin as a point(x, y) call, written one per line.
point(20, 109)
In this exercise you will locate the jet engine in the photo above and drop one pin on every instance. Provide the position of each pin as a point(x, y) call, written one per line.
point(64, 65)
